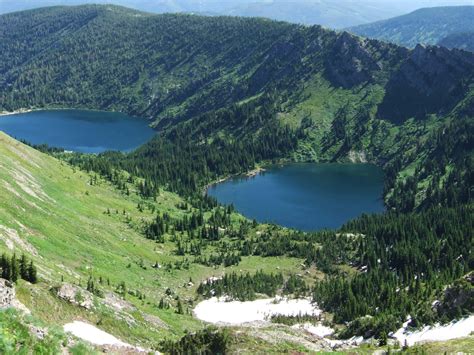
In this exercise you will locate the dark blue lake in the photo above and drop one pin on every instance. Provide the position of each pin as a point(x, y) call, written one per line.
point(78, 130)
point(306, 196)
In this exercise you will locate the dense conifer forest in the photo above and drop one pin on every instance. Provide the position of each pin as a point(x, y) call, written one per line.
point(13, 268)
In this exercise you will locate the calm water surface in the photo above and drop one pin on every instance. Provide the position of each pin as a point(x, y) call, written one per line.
point(78, 130)
point(306, 196)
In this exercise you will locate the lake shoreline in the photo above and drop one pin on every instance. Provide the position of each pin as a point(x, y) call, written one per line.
point(248, 174)
point(308, 197)
point(28, 110)
point(16, 112)
point(80, 130)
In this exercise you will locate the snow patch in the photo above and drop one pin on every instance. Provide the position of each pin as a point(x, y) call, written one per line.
point(453, 330)
point(319, 329)
point(218, 310)
point(343, 344)
point(94, 335)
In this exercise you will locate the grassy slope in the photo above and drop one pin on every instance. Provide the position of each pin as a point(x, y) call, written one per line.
point(65, 227)
point(68, 228)
point(16, 337)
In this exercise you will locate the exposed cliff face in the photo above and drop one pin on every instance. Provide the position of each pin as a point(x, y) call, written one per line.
point(459, 295)
point(353, 60)
point(429, 68)
point(431, 80)
point(350, 62)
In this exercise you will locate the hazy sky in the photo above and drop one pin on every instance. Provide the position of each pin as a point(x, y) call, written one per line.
point(206, 4)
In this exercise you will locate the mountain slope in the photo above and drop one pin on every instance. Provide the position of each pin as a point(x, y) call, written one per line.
point(230, 94)
point(424, 26)
point(174, 67)
point(167, 67)
point(151, 64)
point(54, 214)
point(79, 229)
point(271, 89)
point(463, 40)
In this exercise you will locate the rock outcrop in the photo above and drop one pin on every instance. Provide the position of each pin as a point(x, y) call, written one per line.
point(354, 61)
point(8, 297)
point(432, 80)
point(7, 294)
point(76, 295)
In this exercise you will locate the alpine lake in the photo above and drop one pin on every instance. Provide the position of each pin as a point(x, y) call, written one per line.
point(78, 130)
point(305, 196)
point(308, 197)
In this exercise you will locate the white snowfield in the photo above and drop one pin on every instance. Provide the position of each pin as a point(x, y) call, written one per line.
point(94, 335)
point(319, 329)
point(218, 310)
point(453, 330)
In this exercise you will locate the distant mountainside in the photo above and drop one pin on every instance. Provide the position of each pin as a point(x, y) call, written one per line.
point(459, 40)
point(426, 26)
point(328, 13)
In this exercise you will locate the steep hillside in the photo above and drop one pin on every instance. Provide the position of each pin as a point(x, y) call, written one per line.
point(55, 215)
point(135, 266)
point(175, 67)
point(170, 67)
point(97, 261)
point(424, 26)
point(156, 66)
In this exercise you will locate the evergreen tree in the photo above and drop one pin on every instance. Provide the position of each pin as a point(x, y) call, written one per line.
point(32, 274)
point(15, 272)
point(24, 267)
point(179, 307)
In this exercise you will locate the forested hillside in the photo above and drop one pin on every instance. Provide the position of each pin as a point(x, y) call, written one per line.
point(429, 26)
point(230, 77)
point(168, 67)
point(174, 67)
point(464, 40)
point(269, 90)
point(230, 94)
